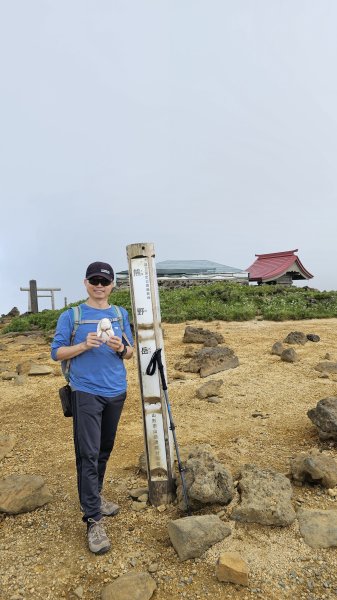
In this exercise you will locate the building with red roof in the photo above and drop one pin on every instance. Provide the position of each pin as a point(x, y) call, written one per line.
point(277, 267)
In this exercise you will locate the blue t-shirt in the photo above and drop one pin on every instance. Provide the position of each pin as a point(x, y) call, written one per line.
point(99, 370)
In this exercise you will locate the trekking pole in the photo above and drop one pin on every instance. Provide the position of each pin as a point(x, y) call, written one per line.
point(151, 369)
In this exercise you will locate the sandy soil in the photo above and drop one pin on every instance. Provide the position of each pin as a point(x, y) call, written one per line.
point(44, 553)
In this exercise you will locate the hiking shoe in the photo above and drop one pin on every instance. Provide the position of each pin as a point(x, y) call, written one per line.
point(108, 509)
point(97, 538)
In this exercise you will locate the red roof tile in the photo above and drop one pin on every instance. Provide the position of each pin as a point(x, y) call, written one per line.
point(271, 266)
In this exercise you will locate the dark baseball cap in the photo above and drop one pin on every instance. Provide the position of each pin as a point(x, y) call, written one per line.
point(100, 269)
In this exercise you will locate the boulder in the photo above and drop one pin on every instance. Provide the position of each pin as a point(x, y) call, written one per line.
point(324, 416)
point(265, 497)
point(198, 335)
point(37, 369)
point(27, 367)
point(7, 443)
point(210, 388)
point(314, 467)
point(289, 355)
point(312, 337)
point(131, 586)
point(22, 493)
point(296, 337)
point(318, 527)
point(192, 536)
point(206, 479)
point(232, 568)
point(277, 348)
point(212, 360)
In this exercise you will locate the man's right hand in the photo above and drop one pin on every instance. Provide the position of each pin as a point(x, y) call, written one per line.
point(92, 341)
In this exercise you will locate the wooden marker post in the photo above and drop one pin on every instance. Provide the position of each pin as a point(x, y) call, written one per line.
point(33, 296)
point(149, 337)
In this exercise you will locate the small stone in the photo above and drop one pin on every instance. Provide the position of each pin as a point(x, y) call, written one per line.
point(312, 337)
point(79, 592)
point(8, 375)
point(138, 506)
point(152, 568)
point(136, 492)
point(232, 568)
point(162, 508)
point(143, 498)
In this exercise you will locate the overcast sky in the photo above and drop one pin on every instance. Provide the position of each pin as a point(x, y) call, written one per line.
point(208, 127)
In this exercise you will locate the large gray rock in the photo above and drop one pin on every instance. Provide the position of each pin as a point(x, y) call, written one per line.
point(289, 355)
point(324, 416)
point(210, 388)
point(314, 467)
point(22, 493)
point(207, 481)
point(192, 536)
point(7, 443)
point(131, 586)
point(296, 337)
point(199, 335)
point(265, 498)
point(27, 367)
point(326, 366)
point(212, 360)
point(277, 348)
point(318, 527)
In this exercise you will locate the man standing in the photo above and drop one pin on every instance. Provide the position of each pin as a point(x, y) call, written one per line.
point(97, 378)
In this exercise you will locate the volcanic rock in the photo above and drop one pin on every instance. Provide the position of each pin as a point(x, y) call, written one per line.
point(192, 536)
point(324, 416)
point(207, 481)
point(289, 355)
point(277, 348)
point(232, 568)
point(296, 337)
point(22, 493)
point(318, 527)
point(314, 467)
point(265, 497)
point(212, 360)
point(131, 586)
point(210, 388)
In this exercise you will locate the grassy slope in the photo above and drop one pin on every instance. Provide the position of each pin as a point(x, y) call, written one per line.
point(222, 301)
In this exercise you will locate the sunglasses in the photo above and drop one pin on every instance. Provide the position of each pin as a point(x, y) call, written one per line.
point(99, 280)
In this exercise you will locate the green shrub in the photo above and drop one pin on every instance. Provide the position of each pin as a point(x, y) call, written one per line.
point(221, 301)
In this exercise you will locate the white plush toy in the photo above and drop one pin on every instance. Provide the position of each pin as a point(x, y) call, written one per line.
point(104, 330)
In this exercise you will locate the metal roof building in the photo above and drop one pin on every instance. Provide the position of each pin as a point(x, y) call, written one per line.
point(195, 270)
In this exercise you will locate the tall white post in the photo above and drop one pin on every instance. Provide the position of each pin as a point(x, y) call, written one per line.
point(149, 337)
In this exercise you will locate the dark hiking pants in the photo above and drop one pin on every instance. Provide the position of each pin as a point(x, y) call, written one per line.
point(95, 422)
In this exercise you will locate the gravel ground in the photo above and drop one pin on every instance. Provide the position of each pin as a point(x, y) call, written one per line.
point(44, 553)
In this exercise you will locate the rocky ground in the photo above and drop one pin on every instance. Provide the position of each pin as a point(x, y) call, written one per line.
point(44, 553)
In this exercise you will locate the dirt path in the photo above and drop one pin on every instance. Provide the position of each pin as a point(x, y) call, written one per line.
point(44, 553)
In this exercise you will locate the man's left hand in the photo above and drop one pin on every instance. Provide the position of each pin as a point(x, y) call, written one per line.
point(115, 343)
